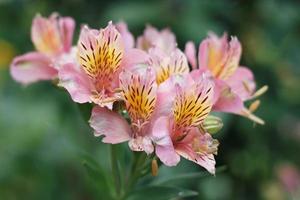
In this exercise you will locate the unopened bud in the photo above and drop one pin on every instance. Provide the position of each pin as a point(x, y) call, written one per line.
point(154, 167)
point(212, 124)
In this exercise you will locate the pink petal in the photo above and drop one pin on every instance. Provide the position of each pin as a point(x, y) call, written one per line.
point(227, 100)
point(165, 97)
point(111, 125)
point(138, 87)
point(32, 67)
point(133, 57)
point(87, 42)
point(213, 53)
point(198, 74)
point(76, 82)
point(67, 26)
point(203, 54)
point(164, 146)
point(242, 83)
point(198, 95)
point(234, 52)
point(126, 35)
point(190, 52)
point(164, 39)
point(205, 160)
point(141, 144)
point(100, 54)
point(45, 35)
point(166, 65)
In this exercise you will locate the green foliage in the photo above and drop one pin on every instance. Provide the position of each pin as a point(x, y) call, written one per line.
point(160, 193)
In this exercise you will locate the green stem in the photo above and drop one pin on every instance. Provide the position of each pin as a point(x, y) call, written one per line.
point(135, 172)
point(115, 170)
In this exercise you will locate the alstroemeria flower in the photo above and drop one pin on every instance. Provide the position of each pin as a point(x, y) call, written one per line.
point(52, 38)
point(164, 39)
point(233, 84)
point(139, 94)
point(102, 55)
point(166, 65)
point(187, 103)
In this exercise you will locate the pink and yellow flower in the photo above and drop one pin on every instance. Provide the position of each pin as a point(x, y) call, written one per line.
point(52, 38)
point(101, 56)
point(182, 105)
point(139, 94)
point(164, 39)
point(233, 84)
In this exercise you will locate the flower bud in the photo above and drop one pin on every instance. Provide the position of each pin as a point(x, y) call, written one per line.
point(212, 124)
point(154, 167)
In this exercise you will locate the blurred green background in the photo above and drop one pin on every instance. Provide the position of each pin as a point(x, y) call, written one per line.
point(43, 137)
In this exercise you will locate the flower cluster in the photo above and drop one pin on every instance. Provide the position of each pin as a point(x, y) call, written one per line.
point(145, 91)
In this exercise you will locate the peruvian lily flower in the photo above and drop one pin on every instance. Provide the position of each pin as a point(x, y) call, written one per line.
point(139, 94)
point(233, 84)
point(52, 38)
point(166, 65)
point(101, 56)
point(164, 39)
point(182, 105)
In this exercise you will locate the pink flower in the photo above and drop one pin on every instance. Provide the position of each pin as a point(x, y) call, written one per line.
point(233, 84)
point(164, 39)
point(139, 94)
point(52, 38)
point(289, 177)
point(101, 56)
point(182, 105)
point(166, 65)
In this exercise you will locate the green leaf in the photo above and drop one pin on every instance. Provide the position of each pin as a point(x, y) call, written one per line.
point(98, 177)
point(160, 193)
point(179, 177)
point(85, 110)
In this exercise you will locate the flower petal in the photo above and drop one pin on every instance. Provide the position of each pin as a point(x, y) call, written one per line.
point(193, 102)
point(76, 82)
point(205, 160)
point(203, 53)
point(139, 92)
point(220, 56)
point(242, 83)
point(190, 52)
point(213, 53)
point(111, 125)
point(233, 59)
point(126, 35)
point(167, 65)
point(141, 144)
point(45, 35)
point(133, 57)
point(166, 93)
point(164, 146)
point(164, 39)
point(67, 26)
point(227, 100)
point(32, 67)
point(100, 54)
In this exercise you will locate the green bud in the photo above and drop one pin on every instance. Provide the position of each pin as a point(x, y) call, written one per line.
point(212, 124)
